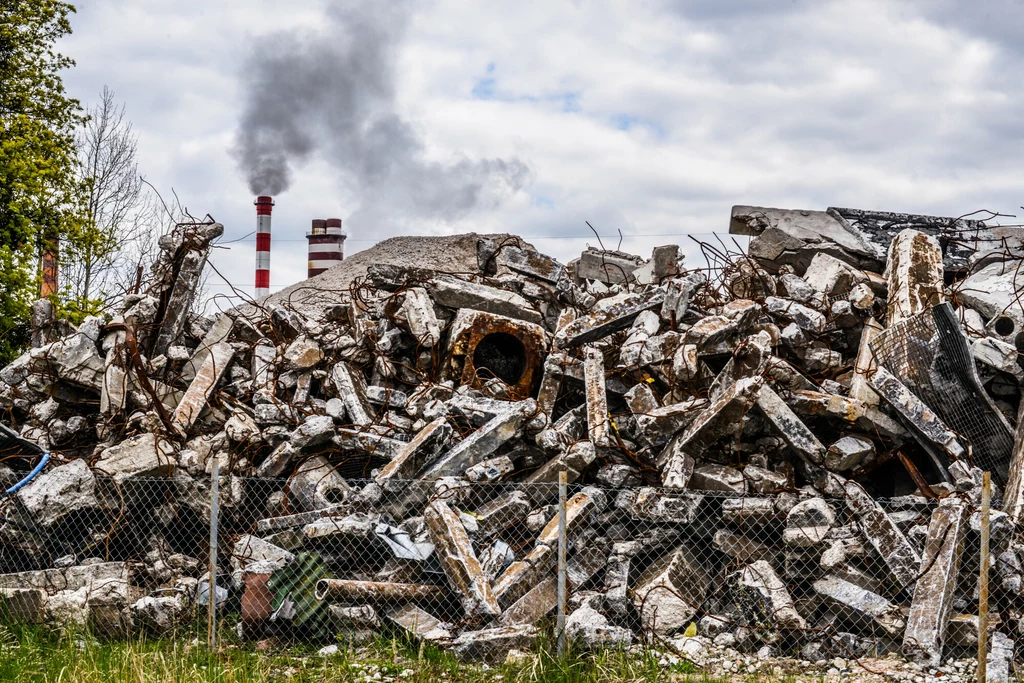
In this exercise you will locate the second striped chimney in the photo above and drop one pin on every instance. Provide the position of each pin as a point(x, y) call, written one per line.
point(326, 245)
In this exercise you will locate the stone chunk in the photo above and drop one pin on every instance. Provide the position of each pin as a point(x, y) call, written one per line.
point(610, 267)
point(669, 594)
point(459, 561)
point(74, 359)
point(315, 430)
point(760, 581)
point(303, 354)
point(421, 624)
point(590, 629)
point(804, 317)
point(712, 477)
point(808, 523)
point(492, 645)
point(848, 452)
point(141, 456)
point(861, 604)
point(251, 549)
point(59, 492)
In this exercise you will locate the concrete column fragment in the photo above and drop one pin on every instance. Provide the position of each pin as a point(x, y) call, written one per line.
point(451, 292)
point(927, 427)
point(865, 365)
point(198, 393)
point(597, 397)
point(459, 561)
point(419, 312)
point(790, 427)
point(522, 575)
point(352, 391)
point(934, 592)
point(883, 535)
point(419, 452)
point(217, 334)
point(605, 321)
point(914, 271)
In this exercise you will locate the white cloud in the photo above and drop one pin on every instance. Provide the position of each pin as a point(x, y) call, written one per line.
point(649, 117)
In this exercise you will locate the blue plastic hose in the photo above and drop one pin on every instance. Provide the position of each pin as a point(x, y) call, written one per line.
point(31, 475)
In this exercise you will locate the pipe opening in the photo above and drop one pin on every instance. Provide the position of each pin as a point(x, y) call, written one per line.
point(1003, 326)
point(503, 355)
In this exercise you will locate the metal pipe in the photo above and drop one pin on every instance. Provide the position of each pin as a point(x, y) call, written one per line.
point(560, 626)
point(986, 503)
point(343, 590)
point(211, 591)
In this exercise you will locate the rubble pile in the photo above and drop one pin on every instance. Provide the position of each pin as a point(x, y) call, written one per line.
point(782, 450)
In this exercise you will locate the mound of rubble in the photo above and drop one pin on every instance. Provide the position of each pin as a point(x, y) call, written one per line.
point(782, 450)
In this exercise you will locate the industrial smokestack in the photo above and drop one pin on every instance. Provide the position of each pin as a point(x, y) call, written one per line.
point(264, 205)
point(326, 245)
point(51, 256)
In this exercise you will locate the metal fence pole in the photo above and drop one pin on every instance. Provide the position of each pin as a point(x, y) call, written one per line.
point(562, 480)
point(211, 586)
point(986, 501)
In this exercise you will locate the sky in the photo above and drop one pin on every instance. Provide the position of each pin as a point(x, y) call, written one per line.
point(649, 117)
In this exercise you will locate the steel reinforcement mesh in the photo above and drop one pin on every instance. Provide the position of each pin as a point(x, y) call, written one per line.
point(327, 559)
point(930, 355)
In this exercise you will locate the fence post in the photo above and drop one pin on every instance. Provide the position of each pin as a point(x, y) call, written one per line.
point(211, 586)
point(560, 627)
point(986, 501)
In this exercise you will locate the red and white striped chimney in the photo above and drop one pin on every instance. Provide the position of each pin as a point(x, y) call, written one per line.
point(326, 245)
point(264, 205)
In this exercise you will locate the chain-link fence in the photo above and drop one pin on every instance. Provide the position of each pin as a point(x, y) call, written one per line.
point(317, 557)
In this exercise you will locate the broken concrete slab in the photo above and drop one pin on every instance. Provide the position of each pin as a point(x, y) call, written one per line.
point(56, 493)
point(147, 455)
point(604, 322)
point(859, 603)
point(451, 292)
point(718, 419)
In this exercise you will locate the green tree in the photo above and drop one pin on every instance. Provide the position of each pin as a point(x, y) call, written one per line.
point(38, 186)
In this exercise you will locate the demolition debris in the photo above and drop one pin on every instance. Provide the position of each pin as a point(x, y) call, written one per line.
point(780, 449)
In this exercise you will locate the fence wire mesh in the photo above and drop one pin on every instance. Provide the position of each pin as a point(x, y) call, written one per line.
point(319, 557)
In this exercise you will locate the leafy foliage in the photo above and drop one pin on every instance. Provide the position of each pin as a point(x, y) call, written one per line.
point(38, 184)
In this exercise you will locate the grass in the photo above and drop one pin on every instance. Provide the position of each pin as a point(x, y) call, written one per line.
point(31, 655)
